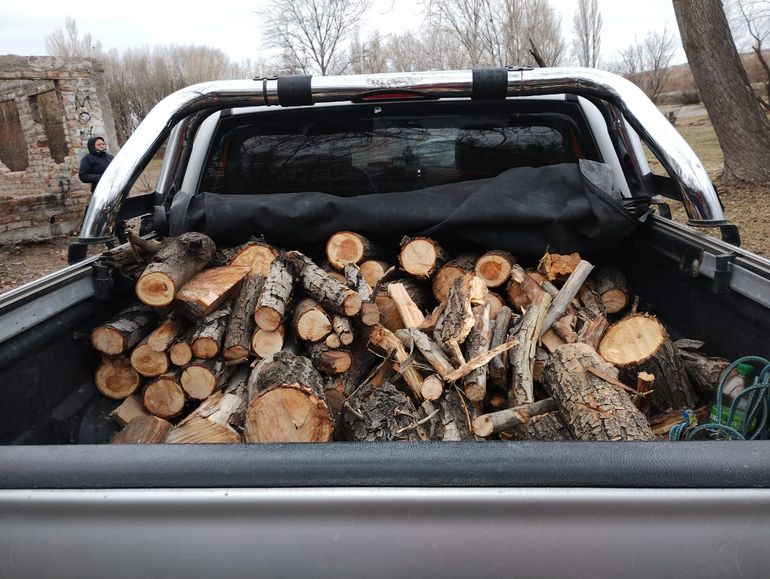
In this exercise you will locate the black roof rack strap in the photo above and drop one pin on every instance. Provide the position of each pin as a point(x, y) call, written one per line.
point(490, 83)
point(294, 91)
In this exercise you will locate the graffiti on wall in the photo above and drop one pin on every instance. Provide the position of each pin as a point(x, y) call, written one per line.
point(83, 108)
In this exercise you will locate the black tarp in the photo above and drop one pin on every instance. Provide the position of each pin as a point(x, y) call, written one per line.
point(562, 208)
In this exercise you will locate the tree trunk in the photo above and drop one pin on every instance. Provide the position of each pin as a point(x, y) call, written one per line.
point(737, 115)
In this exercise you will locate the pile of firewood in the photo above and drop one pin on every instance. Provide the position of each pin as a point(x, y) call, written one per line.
point(258, 344)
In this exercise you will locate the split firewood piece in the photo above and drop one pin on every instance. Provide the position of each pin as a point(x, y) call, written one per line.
point(477, 344)
point(541, 357)
point(498, 366)
point(271, 304)
point(124, 331)
point(390, 317)
point(457, 320)
point(129, 409)
point(256, 255)
point(343, 329)
point(432, 387)
point(202, 377)
point(494, 267)
point(593, 408)
point(593, 330)
point(328, 361)
point(166, 334)
point(557, 267)
point(370, 313)
point(644, 387)
point(177, 261)
point(310, 321)
point(449, 417)
point(411, 316)
point(116, 378)
point(496, 303)
point(240, 325)
point(478, 361)
point(346, 247)
point(265, 344)
point(508, 419)
point(334, 296)
point(163, 396)
point(640, 343)
point(522, 357)
point(147, 361)
point(421, 256)
point(611, 286)
point(373, 271)
point(565, 326)
point(431, 351)
point(381, 414)
point(180, 351)
point(209, 333)
point(146, 429)
point(385, 342)
point(209, 289)
point(551, 340)
point(522, 288)
point(450, 271)
point(544, 428)
point(567, 292)
point(591, 305)
point(287, 402)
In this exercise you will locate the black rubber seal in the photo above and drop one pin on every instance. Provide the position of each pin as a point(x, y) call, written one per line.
point(294, 91)
point(490, 84)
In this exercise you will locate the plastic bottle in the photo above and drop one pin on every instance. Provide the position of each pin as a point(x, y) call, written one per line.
point(733, 386)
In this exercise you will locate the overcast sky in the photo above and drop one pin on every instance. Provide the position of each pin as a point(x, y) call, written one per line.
point(234, 26)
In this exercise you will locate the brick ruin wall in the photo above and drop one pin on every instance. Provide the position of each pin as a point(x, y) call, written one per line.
point(49, 108)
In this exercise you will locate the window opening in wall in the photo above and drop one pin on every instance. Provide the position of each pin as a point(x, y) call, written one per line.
point(13, 147)
point(52, 117)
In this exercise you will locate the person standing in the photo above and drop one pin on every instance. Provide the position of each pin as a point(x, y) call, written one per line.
point(95, 163)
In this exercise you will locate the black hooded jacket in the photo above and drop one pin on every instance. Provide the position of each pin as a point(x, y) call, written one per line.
point(93, 165)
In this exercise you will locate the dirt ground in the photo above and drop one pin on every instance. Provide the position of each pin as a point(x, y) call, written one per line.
point(749, 208)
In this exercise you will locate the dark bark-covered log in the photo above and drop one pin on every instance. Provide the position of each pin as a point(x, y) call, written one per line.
point(180, 352)
point(593, 330)
point(343, 329)
point(209, 333)
point(591, 305)
point(385, 342)
point(522, 357)
point(240, 326)
point(177, 261)
point(265, 344)
point(287, 402)
point(522, 288)
point(329, 361)
point(421, 256)
point(166, 334)
point(477, 344)
point(593, 408)
point(544, 428)
point(413, 338)
point(411, 316)
point(498, 366)
point(451, 417)
point(164, 397)
point(346, 247)
point(556, 267)
point(449, 272)
point(390, 317)
point(124, 331)
point(373, 271)
point(116, 378)
point(356, 280)
point(567, 292)
point(202, 377)
point(147, 361)
point(494, 267)
point(310, 321)
point(271, 304)
point(143, 430)
point(612, 288)
point(457, 319)
point(334, 296)
point(705, 372)
point(640, 343)
point(508, 419)
point(209, 289)
point(256, 255)
point(130, 408)
point(381, 414)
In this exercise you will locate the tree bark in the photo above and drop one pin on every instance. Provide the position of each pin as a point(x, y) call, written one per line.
point(496, 422)
point(446, 275)
point(240, 326)
point(124, 331)
point(209, 333)
point(330, 293)
point(544, 428)
point(611, 286)
point(381, 414)
point(475, 382)
point(271, 304)
point(735, 112)
point(451, 417)
point(498, 366)
point(522, 357)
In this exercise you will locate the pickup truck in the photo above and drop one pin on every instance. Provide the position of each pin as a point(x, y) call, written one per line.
point(72, 506)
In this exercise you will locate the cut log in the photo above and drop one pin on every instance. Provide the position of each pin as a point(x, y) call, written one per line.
point(130, 408)
point(287, 402)
point(496, 422)
point(209, 333)
point(450, 417)
point(163, 396)
point(146, 429)
point(256, 255)
point(331, 294)
point(705, 372)
point(457, 319)
point(592, 331)
point(421, 256)
point(166, 334)
point(147, 361)
point(124, 331)
point(494, 267)
point(177, 261)
point(522, 357)
point(432, 387)
point(565, 327)
point(412, 338)
point(477, 344)
point(611, 286)
point(328, 361)
point(390, 317)
point(593, 408)
point(496, 303)
point(498, 366)
point(240, 326)
point(333, 341)
point(209, 289)
point(557, 267)
point(310, 321)
point(180, 351)
point(346, 247)
point(411, 316)
point(640, 343)
point(449, 272)
point(567, 292)
point(355, 279)
point(265, 344)
point(343, 329)
point(522, 288)
point(591, 305)
point(544, 428)
point(370, 314)
point(271, 304)
point(373, 271)
point(381, 414)
point(202, 377)
point(385, 342)
point(116, 378)
point(644, 387)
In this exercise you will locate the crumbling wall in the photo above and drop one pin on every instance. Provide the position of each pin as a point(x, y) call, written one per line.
point(49, 108)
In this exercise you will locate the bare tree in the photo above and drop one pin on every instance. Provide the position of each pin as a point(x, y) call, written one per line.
point(312, 33)
point(738, 118)
point(68, 42)
point(465, 21)
point(370, 56)
point(587, 30)
point(750, 22)
point(646, 62)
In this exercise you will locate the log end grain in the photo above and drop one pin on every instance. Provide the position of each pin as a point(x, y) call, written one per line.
point(267, 318)
point(632, 340)
point(108, 341)
point(116, 378)
point(156, 289)
point(180, 354)
point(344, 247)
point(432, 387)
point(614, 300)
point(198, 382)
point(494, 268)
point(143, 430)
point(419, 257)
point(198, 430)
point(205, 348)
point(257, 257)
point(288, 414)
point(265, 343)
point(164, 397)
point(352, 304)
point(235, 353)
point(373, 271)
point(148, 362)
point(313, 325)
